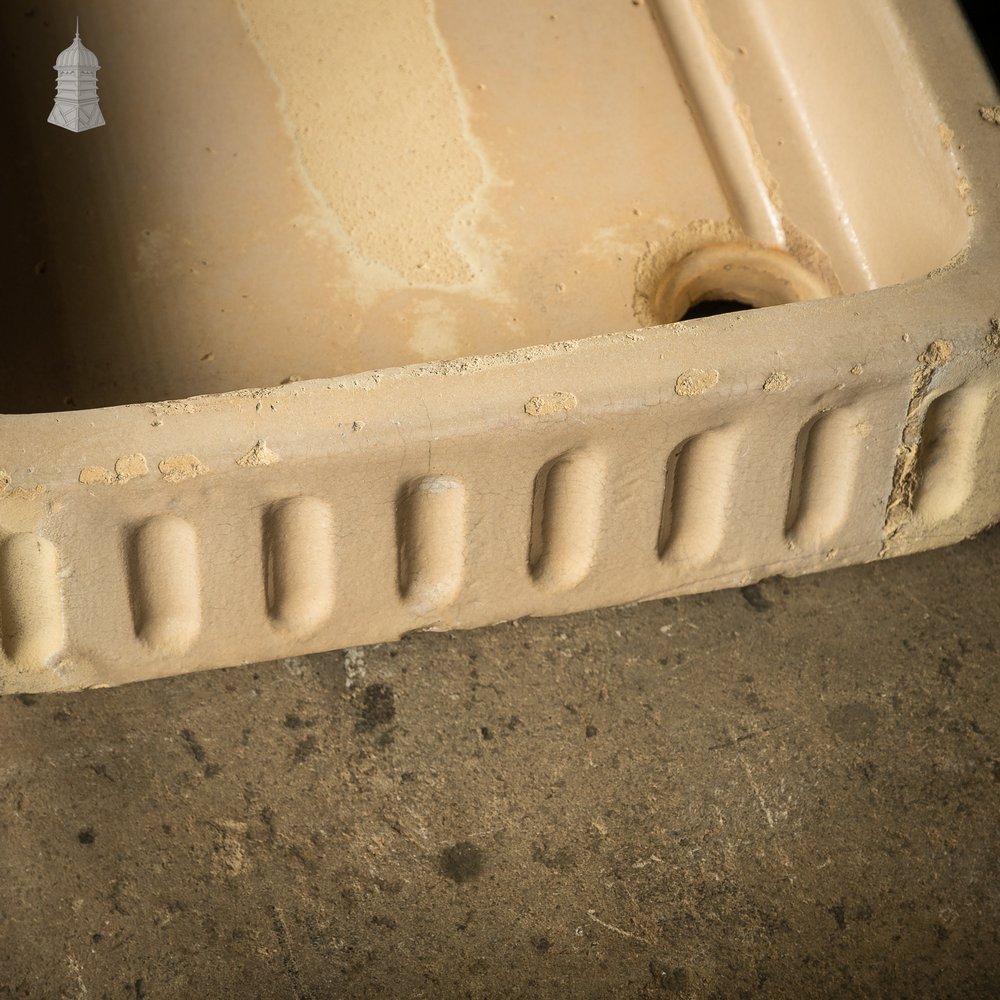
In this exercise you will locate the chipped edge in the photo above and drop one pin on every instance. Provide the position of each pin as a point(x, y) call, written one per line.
point(899, 508)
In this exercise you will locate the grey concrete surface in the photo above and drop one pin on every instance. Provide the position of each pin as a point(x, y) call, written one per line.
point(790, 791)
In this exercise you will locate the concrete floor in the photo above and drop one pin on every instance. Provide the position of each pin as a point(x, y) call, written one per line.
point(791, 790)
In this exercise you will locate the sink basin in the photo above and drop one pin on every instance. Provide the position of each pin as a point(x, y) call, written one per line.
point(358, 318)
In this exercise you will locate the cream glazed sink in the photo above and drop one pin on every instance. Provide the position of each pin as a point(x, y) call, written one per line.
point(360, 318)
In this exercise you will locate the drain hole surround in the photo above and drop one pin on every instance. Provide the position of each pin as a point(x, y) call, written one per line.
point(728, 277)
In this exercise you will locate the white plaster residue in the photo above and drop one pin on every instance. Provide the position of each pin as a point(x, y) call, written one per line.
point(381, 136)
point(257, 456)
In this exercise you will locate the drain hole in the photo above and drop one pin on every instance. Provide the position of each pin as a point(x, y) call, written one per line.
point(714, 307)
point(727, 277)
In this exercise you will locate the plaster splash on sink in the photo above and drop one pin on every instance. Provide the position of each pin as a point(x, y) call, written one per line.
point(382, 136)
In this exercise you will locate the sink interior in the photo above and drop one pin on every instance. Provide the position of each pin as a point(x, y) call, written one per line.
point(299, 189)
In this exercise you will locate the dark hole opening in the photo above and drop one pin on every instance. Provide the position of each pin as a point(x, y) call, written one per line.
point(714, 307)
